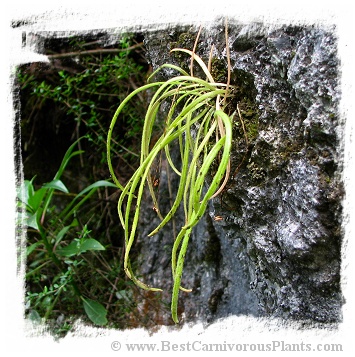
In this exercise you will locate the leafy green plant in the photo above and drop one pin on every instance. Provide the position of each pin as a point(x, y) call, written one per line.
point(54, 245)
point(83, 86)
point(198, 123)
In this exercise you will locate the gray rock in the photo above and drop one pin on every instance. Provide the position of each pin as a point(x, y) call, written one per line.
point(277, 250)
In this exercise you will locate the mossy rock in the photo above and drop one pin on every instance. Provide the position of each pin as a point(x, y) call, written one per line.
point(219, 70)
point(185, 40)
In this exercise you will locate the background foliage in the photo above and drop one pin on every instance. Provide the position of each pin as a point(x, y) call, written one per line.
point(74, 242)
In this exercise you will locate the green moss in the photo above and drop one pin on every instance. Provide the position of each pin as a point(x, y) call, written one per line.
point(219, 70)
point(250, 116)
point(252, 128)
point(244, 83)
point(185, 40)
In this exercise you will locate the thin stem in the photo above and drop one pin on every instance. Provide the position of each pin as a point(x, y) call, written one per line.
point(193, 52)
point(94, 52)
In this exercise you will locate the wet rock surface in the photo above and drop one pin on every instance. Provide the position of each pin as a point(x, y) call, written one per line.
point(276, 252)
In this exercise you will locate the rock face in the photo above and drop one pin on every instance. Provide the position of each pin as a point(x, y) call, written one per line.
point(277, 250)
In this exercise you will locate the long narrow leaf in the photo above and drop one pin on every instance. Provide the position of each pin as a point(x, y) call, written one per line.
point(88, 191)
point(56, 185)
point(194, 121)
point(68, 155)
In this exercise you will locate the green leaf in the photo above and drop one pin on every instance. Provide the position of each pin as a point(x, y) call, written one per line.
point(57, 185)
point(64, 231)
point(33, 219)
point(35, 200)
point(31, 198)
point(61, 234)
point(68, 155)
point(95, 311)
point(97, 184)
point(76, 247)
point(91, 244)
point(32, 247)
point(87, 193)
point(71, 249)
point(24, 191)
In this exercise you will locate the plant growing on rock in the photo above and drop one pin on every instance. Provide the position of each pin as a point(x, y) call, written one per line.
point(197, 121)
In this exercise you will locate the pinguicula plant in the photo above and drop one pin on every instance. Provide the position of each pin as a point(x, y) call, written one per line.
point(198, 124)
